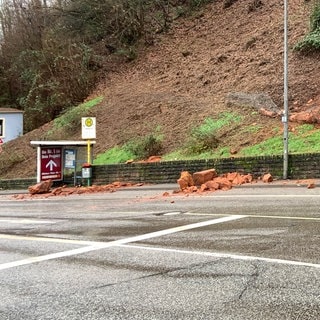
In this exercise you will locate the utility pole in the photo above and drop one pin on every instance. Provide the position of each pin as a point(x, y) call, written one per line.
point(285, 94)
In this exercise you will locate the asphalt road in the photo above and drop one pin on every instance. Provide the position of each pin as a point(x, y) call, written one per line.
point(249, 253)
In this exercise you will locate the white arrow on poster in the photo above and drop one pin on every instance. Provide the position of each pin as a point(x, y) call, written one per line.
point(51, 164)
point(88, 125)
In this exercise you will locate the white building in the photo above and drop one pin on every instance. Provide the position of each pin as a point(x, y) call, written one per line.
point(11, 124)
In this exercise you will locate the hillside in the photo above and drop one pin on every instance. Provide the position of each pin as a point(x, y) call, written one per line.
point(186, 75)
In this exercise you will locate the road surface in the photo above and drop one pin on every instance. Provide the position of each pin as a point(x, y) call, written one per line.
point(248, 253)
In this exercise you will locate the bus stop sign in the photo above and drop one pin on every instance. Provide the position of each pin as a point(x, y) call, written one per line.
point(51, 159)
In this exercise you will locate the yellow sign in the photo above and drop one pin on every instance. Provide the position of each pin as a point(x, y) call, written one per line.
point(89, 122)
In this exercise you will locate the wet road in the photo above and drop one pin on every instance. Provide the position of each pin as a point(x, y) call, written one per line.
point(251, 252)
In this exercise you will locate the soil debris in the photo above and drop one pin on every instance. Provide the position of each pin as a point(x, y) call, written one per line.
point(43, 189)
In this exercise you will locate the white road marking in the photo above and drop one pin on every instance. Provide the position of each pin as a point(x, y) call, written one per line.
point(103, 245)
point(47, 257)
point(42, 239)
point(246, 196)
point(227, 255)
point(28, 221)
point(286, 217)
point(257, 216)
point(172, 213)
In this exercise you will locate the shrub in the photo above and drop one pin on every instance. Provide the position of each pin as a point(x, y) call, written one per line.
point(311, 42)
point(315, 17)
point(147, 146)
point(205, 137)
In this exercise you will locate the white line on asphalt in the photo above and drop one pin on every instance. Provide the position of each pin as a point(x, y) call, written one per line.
point(248, 196)
point(285, 217)
point(43, 239)
point(28, 221)
point(227, 255)
point(258, 216)
point(102, 245)
point(172, 213)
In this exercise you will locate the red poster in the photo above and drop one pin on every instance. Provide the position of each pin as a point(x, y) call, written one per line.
point(51, 159)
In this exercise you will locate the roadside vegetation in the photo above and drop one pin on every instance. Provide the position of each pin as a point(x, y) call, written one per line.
point(311, 41)
point(53, 53)
point(71, 119)
point(305, 139)
point(135, 149)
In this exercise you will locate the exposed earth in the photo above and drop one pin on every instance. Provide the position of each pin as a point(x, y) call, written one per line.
point(186, 76)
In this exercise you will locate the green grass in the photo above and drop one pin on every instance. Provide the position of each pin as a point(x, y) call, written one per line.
point(135, 149)
point(205, 137)
point(252, 128)
point(223, 152)
point(73, 115)
point(306, 139)
point(115, 155)
point(211, 125)
point(272, 146)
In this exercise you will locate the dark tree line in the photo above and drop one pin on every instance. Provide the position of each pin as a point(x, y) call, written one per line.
point(52, 52)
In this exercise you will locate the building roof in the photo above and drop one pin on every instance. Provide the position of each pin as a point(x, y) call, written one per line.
point(61, 143)
point(10, 110)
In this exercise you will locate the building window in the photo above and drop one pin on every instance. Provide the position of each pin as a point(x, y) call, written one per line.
point(1, 128)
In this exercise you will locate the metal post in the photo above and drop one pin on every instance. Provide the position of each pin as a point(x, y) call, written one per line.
point(285, 94)
point(88, 151)
point(38, 164)
point(89, 159)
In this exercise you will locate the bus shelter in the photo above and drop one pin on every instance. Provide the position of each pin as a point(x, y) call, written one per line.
point(64, 161)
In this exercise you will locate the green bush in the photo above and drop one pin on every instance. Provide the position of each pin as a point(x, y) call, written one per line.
point(315, 17)
point(205, 137)
point(143, 148)
point(311, 42)
point(139, 148)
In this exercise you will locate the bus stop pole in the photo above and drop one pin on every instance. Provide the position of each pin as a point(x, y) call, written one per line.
point(89, 160)
point(89, 152)
point(285, 95)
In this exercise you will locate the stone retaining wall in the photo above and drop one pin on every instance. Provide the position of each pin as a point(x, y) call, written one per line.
point(16, 184)
point(300, 166)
